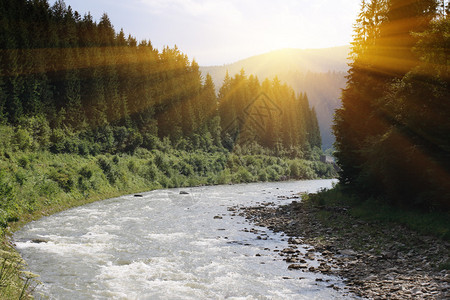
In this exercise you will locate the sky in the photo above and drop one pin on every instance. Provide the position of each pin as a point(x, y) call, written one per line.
point(217, 32)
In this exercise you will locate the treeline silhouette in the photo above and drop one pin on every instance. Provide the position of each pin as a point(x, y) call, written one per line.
point(76, 85)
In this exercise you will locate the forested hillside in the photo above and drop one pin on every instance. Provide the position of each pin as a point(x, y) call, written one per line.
point(393, 131)
point(320, 73)
point(74, 85)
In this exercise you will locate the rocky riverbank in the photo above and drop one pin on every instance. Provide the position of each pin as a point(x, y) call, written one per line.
point(376, 260)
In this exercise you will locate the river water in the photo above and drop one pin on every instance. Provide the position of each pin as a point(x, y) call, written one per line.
point(167, 245)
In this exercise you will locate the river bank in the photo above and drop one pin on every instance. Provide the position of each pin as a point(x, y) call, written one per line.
point(39, 183)
point(377, 260)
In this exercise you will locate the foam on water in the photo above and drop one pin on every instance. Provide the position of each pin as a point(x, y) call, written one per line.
point(168, 246)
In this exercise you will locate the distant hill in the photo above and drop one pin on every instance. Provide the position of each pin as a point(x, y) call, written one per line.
point(318, 72)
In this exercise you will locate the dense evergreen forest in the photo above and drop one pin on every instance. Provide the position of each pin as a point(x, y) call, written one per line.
point(320, 73)
point(393, 131)
point(73, 85)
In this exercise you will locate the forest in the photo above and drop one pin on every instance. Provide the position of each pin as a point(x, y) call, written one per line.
point(66, 78)
point(320, 73)
point(87, 111)
point(392, 131)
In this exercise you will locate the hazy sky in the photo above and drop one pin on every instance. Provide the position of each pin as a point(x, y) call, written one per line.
point(216, 32)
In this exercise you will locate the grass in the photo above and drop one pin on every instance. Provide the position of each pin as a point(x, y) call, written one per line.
point(372, 226)
point(374, 210)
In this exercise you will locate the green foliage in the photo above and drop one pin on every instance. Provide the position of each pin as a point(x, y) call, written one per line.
point(9, 207)
point(242, 175)
point(376, 210)
point(255, 117)
point(392, 136)
point(297, 169)
point(110, 168)
point(23, 139)
point(11, 272)
point(62, 178)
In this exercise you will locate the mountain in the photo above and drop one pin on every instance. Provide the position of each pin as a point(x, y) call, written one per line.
point(320, 73)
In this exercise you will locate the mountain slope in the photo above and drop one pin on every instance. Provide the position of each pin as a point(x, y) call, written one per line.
point(318, 72)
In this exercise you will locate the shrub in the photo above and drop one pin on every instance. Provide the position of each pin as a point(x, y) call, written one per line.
point(23, 139)
point(62, 178)
point(150, 141)
point(47, 188)
point(151, 172)
point(57, 141)
point(9, 207)
point(86, 172)
point(7, 138)
point(23, 161)
point(224, 177)
point(110, 171)
point(162, 162)
point(132, 167)
point(164, 181)
point(242, 175)
point(39, 128)
point(262, 175)
point(233, 162)
point(20, 177)
point(272, 173)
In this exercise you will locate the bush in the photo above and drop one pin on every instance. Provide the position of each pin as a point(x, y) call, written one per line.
point(242, 175)
point(110, 171)
point(7, 138)
point(9, 207)
point(262, 175)
point(39, 128)
point(150, 172)
point(48, 189)
point(23, 161)
point(20, 177)
point(272, 173)
point(224, 177)
point(86, 172)
point(62, 178)
point(23, 139)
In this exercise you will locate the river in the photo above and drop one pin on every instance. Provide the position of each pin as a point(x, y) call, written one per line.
point(166, 245)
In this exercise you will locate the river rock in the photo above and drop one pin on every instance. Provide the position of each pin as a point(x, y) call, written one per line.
point(39, 240)
point(347, 252)
point(295, 241)
point(377, 260)
point(297, 266)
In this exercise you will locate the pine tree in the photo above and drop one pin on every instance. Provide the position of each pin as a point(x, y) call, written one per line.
point(355, 120)
point(378, 142)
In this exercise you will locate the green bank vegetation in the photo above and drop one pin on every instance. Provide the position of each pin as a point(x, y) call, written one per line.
point(375, 211)
point(40, 181)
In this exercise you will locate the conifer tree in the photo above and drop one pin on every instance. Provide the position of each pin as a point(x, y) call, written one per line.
point(378, 147)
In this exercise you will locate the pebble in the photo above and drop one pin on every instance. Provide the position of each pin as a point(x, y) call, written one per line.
point(375, 262)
